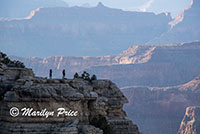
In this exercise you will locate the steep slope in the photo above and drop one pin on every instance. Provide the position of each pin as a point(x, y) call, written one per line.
point(78, 31)
point(185, 28)
point(161, 109)
point(191, 121)
point(193, 86)
point(166, 65)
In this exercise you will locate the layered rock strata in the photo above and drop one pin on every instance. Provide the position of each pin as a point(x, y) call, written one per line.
point(160, 110)
point(59, 106)
point(191, 121)
point(144, 65)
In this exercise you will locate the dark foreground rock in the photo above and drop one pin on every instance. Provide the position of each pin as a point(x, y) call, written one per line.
point(33, 105)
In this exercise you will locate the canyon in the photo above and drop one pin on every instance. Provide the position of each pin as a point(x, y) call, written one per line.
point(79, 31)
point(142, 65)
point(161, 109)
point(97, 104)
point(94, 31)
point(160, 81)
point(185, 28)
point(159, 74)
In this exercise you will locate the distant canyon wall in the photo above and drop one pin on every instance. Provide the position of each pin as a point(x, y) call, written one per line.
point(79, 31)
point(185, 28)
point(160, 110)
point(153, 65)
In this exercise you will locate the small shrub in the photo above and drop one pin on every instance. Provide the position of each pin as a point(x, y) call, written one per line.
point(19, 64)
point(7, 61)
point(58, 92)
point(11, 63)
point(3, 55)
point(102, 123)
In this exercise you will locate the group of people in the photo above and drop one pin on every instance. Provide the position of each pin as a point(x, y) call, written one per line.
point(85, 75)
point(51, 73)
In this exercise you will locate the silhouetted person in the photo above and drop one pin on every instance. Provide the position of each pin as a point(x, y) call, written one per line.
point(83, 75)
point(94, 77)
point(76, 75)
point(50, 73)
point(63, 72)
point(87, 76)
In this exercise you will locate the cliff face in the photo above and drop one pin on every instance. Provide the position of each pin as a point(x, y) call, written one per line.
point(160, 109)
point(191, 121)
point(59, 105)
point(185, 28)
point(166, 65)
point(78, 31)
point(148, 65)
point(133, 55)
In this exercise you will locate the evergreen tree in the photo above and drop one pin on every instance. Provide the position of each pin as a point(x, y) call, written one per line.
point(101, 122)
point(11, 63)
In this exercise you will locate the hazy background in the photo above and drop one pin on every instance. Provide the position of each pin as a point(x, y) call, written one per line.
point(157, 6)
point(85, 28)
point(12, 8)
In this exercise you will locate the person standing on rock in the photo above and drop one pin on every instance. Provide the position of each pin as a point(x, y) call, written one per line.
point(63, 72)
point(50, 73)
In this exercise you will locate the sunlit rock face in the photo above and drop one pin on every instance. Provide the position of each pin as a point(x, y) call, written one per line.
point(185, 28)
point(143, 65)
point(191, 121)
point(166, 65)
point(133, 55)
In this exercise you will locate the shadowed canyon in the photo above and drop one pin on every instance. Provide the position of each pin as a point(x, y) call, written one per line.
point(152, 58)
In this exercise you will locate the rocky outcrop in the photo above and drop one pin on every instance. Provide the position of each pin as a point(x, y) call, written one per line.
point(13, 69)
point(191, 121)
point(123, 126)
point(160, 109)
point(34, 105)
